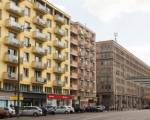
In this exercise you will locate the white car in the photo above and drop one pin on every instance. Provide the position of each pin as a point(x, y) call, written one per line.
point(62, 109)
point(31, 110)
point(71, 109)
point(11, 111)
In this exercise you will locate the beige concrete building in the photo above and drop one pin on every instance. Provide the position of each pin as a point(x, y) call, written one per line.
point(83, 66)
point(114, 65)
point(44, 52)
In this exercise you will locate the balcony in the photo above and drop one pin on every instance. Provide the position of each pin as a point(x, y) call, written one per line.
point(58, 83)
point(74, 87)
point(59, 57)
point(13, 8)
point(82, 66)
point(59, 44)
point(74, 30)
point(59, 32)
point(40, 8)
point(74, 52)
point(13, 42)
point(10, 58)
point(10, 76)
point(74, 41)
point(40, 22)
point(74, 63)
point(87, 45)
point(15, 26)
point(39, 51)
point(40, 36)
point(59, 19)
point(39, 65)
point(59, 70)
point(74, 75)
point(38, 80)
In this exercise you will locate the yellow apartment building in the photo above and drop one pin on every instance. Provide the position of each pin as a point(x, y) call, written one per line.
point(44, 53)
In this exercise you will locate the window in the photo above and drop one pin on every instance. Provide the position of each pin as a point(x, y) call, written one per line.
point(37, 89)
point(38, 74)
point(11, 71)
point(26, 57)
point(49, 23)
point(38, 59)
point(48, 63)
point(24, 88)
point(48, 89)
point(9, 87)
point(0, 31)
point(66, 68)
point(12, 52)
point(67, 55)
point(27, 11)
point(66, 80)
point(48, 76)
point(66, 32)
point(49, 49)
point(49, 36)
point(26, 26)
point(25, 72)
point(27, 41)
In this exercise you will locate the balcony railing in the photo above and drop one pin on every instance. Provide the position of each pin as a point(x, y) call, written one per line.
point(40, 36)
point(40, 22)
point(39, 65)
point(39, 50)
point(10, 76)
point(13, 8)
point(74, 52)
point(13, 42)
point(59, 57)
point(74, 87)
point(74, 75)
point(59, 70)
point(40, 8)
point(39, 80)
point(74, 30)
point(60, 32)
point(59, 19)
point(58, 83)
point(74, 63)
point(11, 58)
point(11, 24)
point(59, 44)
point(74, 41)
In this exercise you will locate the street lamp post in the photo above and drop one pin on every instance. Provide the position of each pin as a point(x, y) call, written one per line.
point(18, 82)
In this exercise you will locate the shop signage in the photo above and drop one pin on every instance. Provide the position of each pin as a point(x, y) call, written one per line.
point(15, 98)
point(60, 97)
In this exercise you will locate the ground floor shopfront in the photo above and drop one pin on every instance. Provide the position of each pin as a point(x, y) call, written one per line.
point(59, 100)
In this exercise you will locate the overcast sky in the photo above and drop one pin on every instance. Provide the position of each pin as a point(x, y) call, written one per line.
point(130, 18)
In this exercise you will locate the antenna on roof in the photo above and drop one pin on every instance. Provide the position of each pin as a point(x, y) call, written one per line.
point(115, 35)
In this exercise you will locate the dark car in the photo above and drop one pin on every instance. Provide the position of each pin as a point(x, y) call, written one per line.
point(51, 109)
point(79, 109)
point(3, 113)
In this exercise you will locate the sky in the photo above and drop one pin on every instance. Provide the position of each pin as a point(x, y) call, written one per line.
point(129, 18)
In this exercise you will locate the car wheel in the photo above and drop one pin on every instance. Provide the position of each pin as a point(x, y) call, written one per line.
point(35, 114)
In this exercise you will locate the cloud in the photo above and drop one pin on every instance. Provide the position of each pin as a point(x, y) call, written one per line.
point(107, 10)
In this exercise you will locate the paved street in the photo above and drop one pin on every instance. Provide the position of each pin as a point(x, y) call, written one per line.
point(125, 115)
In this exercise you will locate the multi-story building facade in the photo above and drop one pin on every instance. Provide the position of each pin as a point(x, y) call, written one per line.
point(114, 65)
point(83, 66)
point(44, 52)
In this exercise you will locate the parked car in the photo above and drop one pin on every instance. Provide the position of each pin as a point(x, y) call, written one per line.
point(3, 113)
point(11, 111)
point(71, 109)
point(79, 109)
point(100, 108)
point(62, 109)
point(44, 111)
point(51, 109)
point(31, 110)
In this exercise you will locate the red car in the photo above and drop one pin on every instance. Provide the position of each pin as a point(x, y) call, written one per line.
point(3, 113)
